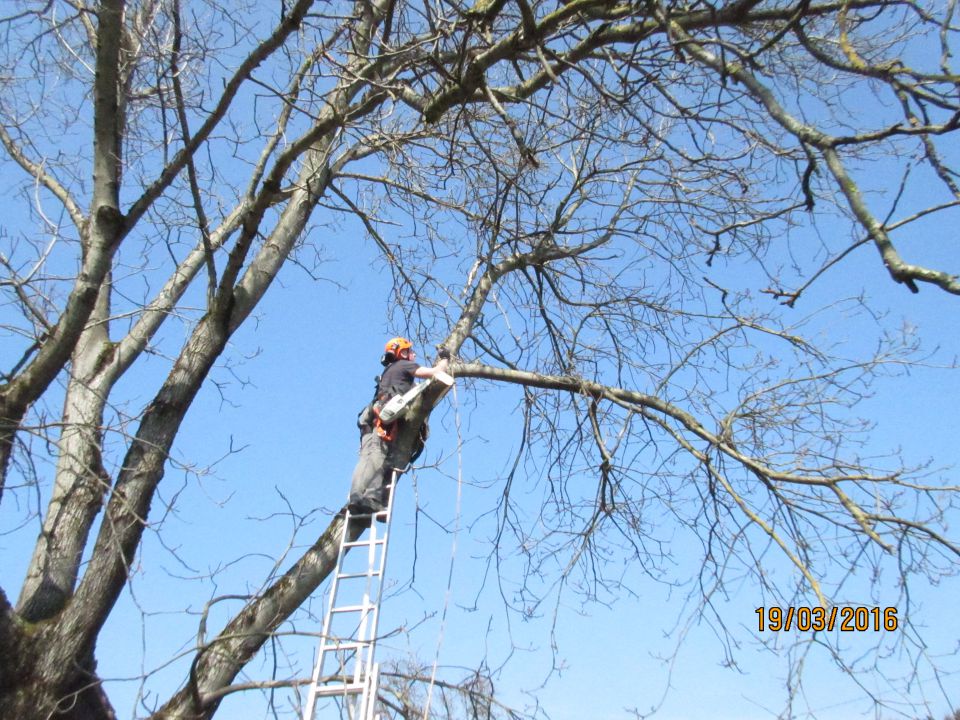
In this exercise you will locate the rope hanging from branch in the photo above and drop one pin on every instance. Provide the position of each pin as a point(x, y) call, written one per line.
point(453, 556)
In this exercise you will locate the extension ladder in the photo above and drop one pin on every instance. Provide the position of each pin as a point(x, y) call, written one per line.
point(345, 669)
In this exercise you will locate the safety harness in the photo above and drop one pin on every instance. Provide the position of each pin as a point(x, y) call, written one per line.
point(386, 431)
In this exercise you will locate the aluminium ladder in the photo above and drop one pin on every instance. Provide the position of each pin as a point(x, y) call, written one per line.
point(345, 669)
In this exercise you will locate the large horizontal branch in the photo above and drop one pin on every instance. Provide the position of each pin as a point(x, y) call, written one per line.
point(685, 429)
point(635, 400)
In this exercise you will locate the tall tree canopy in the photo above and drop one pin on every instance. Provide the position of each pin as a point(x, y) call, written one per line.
point(633, 212)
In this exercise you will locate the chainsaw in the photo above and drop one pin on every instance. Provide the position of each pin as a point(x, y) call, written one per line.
point(396, 406)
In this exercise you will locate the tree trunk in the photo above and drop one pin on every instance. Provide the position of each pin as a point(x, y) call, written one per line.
point(36, 684)
point(81, 482)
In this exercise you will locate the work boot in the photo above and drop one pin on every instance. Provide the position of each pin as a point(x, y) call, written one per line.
point(363, 508)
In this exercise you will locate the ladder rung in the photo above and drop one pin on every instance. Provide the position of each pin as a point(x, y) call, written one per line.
point(352, 576)
point(359, 543)
point(352, 608)
point(334, 645)
point(339, 689)
point(375, 513)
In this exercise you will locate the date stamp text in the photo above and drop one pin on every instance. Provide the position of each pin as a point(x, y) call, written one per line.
point(845, 619)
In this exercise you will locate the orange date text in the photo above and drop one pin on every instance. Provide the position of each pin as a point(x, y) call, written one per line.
point(816, 619)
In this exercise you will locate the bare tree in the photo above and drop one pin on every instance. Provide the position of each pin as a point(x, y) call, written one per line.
point(601, 203)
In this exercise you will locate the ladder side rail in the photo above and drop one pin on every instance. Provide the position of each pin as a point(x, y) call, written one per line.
point(367, 630)
point(372, 574)
point(358, 705)
point(363, 629)
point(363, 610)
point(325, 645)
point(359, 643)
point(368, 698)
point(370, 688)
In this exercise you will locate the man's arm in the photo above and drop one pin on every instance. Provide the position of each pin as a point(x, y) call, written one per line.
point(429, 372)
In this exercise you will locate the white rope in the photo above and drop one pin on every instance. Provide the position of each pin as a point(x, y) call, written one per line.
point(453, 555)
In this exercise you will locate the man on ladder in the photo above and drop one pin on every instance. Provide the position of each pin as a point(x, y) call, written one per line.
point(345, 668)
point(376, 464)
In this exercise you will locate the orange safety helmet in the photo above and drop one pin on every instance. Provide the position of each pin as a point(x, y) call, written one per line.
point(397, 345)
